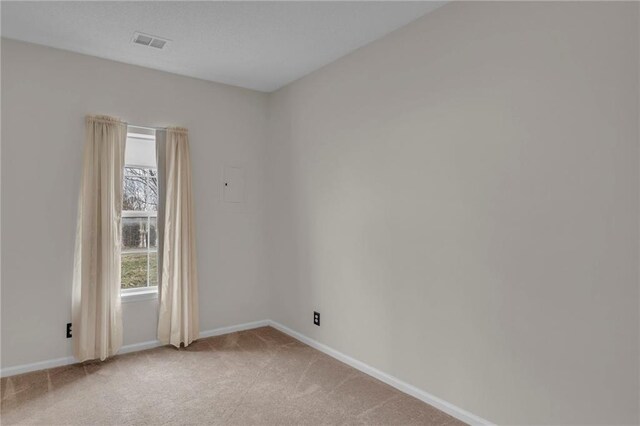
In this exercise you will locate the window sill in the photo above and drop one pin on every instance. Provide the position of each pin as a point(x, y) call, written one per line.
point(140, 295)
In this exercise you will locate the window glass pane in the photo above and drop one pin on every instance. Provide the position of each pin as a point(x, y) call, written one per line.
point(153, 235)
point(134, 191)
point(152, 191)
point(135, 171)
point(153, 268)
point(134, 270)
point(134, 233)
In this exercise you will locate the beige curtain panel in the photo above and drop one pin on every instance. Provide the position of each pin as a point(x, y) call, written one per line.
point(96, 309)
point(178, 318)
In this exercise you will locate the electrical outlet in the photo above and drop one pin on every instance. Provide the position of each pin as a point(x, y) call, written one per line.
point(69, 330)
point(316, 318)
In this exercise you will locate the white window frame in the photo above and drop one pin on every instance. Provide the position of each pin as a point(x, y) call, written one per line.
point(146, 292)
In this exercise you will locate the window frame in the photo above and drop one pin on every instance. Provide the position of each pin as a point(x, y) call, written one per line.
point(140, 214)
point(147, 291)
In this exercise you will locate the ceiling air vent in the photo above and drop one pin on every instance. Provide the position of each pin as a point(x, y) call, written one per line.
point(149, 40)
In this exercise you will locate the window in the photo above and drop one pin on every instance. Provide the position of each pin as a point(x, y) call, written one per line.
point(139, 270)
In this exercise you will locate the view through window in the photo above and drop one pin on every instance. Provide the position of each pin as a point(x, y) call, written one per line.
point(139, 212)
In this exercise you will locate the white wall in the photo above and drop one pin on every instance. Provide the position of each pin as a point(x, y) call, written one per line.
point(459, 200)
point(45, 95)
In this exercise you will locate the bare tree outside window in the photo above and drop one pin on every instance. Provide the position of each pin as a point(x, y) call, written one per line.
point(139, 228)
point(140, 189)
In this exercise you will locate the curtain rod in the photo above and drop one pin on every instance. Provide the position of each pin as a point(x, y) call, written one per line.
point(146, 127)
point(174, 129)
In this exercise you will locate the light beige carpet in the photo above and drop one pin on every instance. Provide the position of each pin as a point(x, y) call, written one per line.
point(258, 376)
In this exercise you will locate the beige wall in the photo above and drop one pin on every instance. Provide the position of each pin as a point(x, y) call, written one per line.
point(459, 200)
point(45, 95)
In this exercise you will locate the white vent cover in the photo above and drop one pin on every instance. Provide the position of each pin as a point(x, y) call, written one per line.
point(149, 40)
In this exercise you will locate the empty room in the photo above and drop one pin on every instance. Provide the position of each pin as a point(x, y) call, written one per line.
point(320, 213)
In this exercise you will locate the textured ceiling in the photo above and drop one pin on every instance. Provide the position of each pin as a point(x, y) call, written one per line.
point(258, 45)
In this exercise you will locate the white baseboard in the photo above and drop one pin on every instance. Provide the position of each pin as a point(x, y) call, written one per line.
point(40, 365)
point(233, 328)
point(402, 386)
point(203, 334)
point(59, 362)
